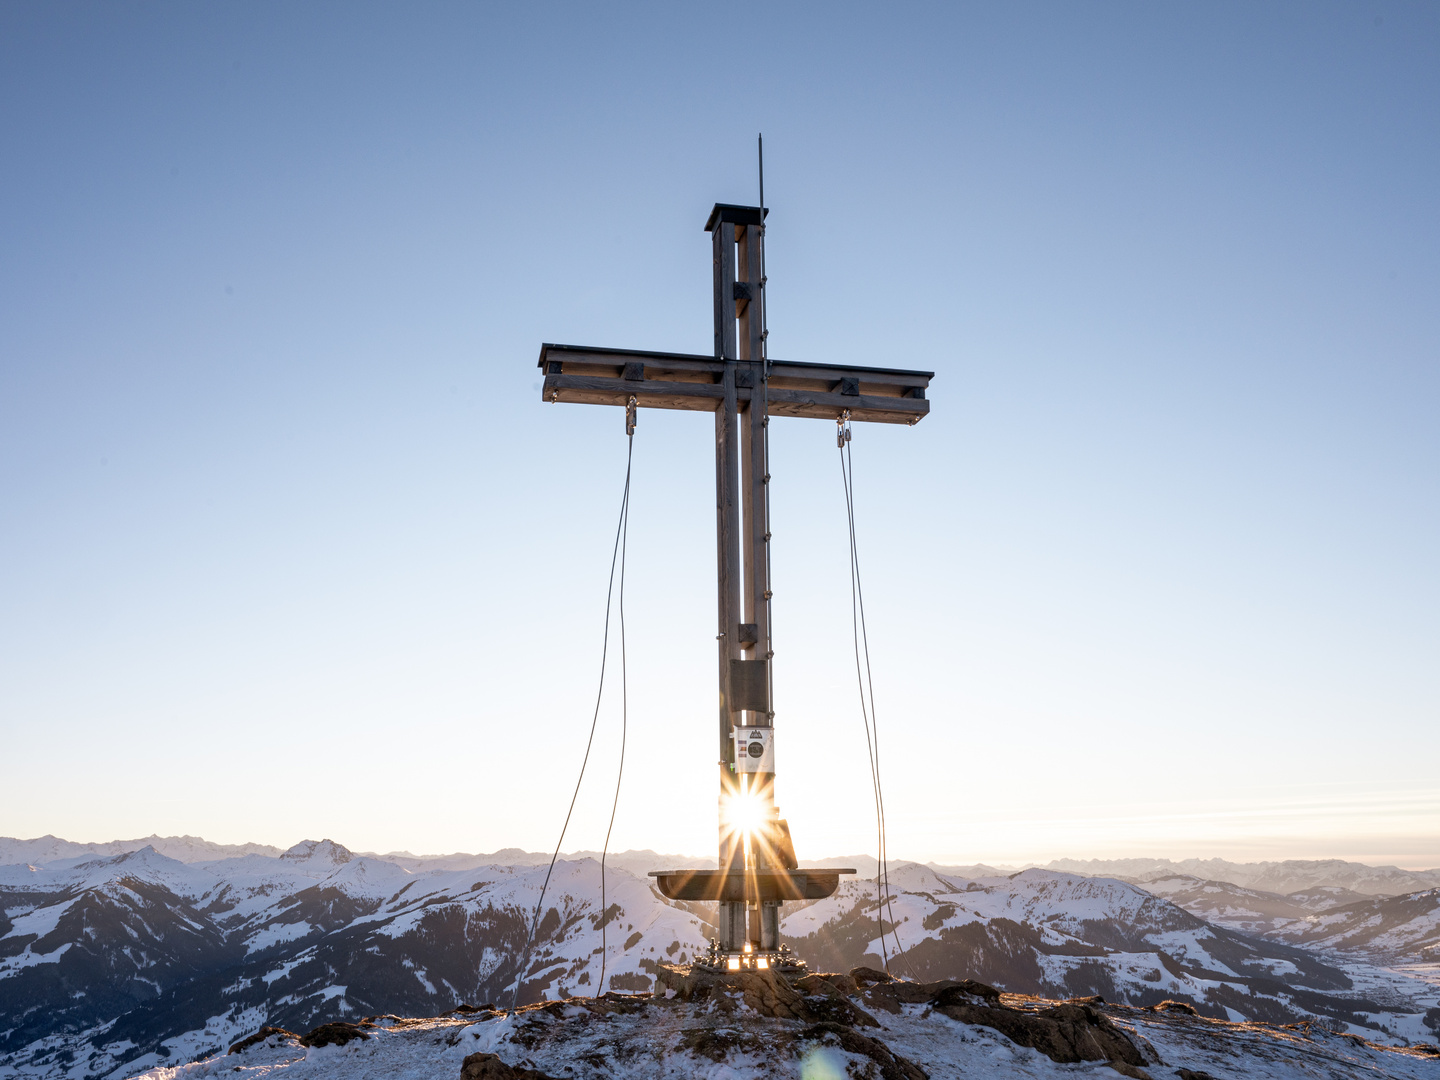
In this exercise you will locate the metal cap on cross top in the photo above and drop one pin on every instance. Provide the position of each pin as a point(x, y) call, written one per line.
point(743, 388)
point(735, 215)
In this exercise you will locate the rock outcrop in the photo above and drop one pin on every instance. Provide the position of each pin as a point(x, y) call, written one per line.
point(336, 1033)
point(490, 1067)
point(951, 1028)
point(1067, 1032)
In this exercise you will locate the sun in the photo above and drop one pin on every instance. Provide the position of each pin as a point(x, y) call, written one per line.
point(745, 812)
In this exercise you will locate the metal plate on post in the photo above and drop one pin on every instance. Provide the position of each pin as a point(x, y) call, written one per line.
point(749, 686)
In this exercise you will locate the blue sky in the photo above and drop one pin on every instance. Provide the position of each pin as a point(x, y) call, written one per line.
point(291, 547)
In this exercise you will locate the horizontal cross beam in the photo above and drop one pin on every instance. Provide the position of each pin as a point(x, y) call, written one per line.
point(660, 380)
point(733, 885)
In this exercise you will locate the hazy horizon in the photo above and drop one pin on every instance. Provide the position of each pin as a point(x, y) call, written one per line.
point(1008, 865)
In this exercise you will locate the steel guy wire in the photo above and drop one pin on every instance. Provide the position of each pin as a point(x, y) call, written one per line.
point(624, 703)
point(868, 715)
point(590, 742)
point(864, 709)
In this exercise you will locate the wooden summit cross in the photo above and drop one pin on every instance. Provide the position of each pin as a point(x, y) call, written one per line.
point(743, 388)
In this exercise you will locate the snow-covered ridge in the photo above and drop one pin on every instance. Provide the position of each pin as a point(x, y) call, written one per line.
point(1399, 928)
point(315, 930)
point(1283, 878)
point(48, 849)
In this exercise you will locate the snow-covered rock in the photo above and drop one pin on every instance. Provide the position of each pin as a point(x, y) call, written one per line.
point(672, 1040)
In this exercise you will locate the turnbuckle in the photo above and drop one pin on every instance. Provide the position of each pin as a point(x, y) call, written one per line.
point(630, 415)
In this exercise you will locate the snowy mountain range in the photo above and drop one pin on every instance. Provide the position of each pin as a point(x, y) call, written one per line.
point(1284, 878)
point(1401, 929)
point(186, 849)
point(1289, 876)
point(115, 961)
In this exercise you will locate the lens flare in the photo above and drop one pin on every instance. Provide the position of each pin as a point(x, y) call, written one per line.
point(745, 812)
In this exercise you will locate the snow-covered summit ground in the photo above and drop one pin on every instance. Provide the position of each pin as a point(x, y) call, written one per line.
point(638, 1040)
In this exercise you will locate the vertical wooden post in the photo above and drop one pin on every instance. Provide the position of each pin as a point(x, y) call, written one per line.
point(747, 509)
point(757, 524)
point(727, 519)
point(743, 532)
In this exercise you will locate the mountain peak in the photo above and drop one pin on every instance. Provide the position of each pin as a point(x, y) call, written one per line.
point(322, 850)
